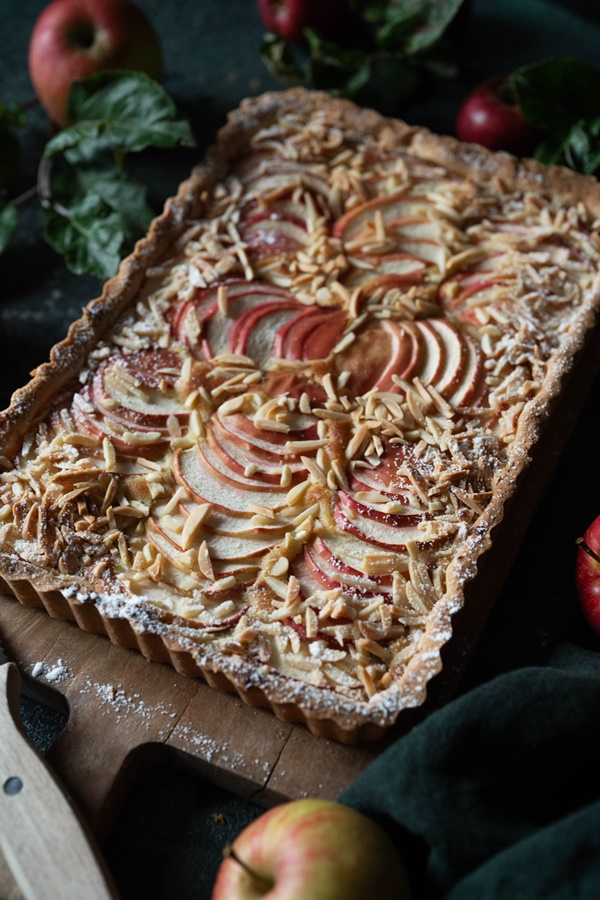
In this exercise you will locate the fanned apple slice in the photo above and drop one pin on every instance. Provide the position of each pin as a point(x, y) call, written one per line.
point(220, 468)
point(253, 332)
point(131, 441)
point(201, 325)
point(273, 177)
point(380, 350)
point(473, 386)
point(271, 234)
point(138, 390)
point(394, 270)
point(373, 531)
point(311, 334)
point(240, 454)
point(222, 523)
point(243, 429)
point(205, 487)
point(403, 209)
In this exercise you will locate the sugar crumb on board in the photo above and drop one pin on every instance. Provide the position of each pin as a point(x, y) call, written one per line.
point(53, 673)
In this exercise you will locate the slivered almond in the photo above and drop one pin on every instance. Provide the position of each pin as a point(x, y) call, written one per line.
point(110, 457)
point(280, 567)
point(271, 425)
point(194, 521)
point(311, 623)
point(295, 495)
point(286, 476)
point(222, 299)
point(300, 446)
point(233, 405)
point(357, 441)
point(277, 586)
point(205, 562)
point(367, 681)
point(223, 584)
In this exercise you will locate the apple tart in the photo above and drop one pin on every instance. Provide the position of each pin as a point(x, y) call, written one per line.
point(274, 450)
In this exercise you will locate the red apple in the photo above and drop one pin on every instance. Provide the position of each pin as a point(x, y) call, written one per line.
point(73, 39)
point(587, 574)
point(490, 116)
point(313, 849)
point(289, 18)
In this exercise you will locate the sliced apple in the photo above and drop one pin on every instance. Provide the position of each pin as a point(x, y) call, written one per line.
point(206, 486)
point(311, 334)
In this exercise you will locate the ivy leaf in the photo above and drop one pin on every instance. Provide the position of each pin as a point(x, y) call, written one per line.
point(119, 111)
point(8, 224)
point(95, 216)
point(556, 94)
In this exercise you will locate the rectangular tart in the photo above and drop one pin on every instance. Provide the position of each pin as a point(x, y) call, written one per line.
point(274, 450)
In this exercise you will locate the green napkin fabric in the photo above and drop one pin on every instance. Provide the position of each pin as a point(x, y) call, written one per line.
point(497, 796)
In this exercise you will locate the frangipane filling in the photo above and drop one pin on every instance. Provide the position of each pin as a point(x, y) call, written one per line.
point(290, 434)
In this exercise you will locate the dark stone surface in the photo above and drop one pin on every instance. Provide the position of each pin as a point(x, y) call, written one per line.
point(169, 838)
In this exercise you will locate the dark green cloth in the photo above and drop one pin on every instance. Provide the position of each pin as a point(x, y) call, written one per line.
point(497, 796)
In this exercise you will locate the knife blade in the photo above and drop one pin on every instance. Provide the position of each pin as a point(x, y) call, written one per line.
point(46, 844)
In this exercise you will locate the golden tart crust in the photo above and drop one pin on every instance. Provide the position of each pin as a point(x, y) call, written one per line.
point(273, 451)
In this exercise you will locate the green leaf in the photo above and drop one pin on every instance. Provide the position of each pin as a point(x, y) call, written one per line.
point(336, 68)
point(579, 149)
point(119, 111)
point(8, 224)
point(12, 115)
point(437, 16)
point(96, 214)
point(558, 93)
point(281, 60)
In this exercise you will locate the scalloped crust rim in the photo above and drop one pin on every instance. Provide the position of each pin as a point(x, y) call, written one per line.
point(324, 712)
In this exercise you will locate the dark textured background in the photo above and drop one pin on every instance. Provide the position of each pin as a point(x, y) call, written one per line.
point(168, 839)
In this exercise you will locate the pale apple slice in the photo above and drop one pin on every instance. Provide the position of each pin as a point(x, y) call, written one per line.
point(371, 531)
point(311, 334)
point(394, 270)
point(219, 467)
point(200, 325)
point(346, 554)
point(242, 526)
point(206, 487)
point(395, 207)
point(241, 455)
point(135, 441)
point(376, 514)
point(273, 234)
point(254, 330)
point(270, 176)
point(455, 358)
point(473, 386)
point(380, 350)
point(243, 429)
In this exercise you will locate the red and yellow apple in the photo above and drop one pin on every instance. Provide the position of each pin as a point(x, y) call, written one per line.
point(313, 849)
point(587, 574)
point(73, 39)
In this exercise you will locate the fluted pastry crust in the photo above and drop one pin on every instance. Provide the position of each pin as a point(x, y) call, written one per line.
point(274, 450)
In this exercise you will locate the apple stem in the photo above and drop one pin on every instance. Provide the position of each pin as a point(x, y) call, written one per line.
point(261, 882)
point(586, 547)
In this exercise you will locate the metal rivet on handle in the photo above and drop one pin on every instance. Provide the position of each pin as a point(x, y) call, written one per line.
point(12, 786)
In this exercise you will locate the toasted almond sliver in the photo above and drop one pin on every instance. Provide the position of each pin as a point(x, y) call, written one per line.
point(296, 493)
point(233, 405)
point(280, 567)
point(205, 562)
point(224, 584)
point(193, 522)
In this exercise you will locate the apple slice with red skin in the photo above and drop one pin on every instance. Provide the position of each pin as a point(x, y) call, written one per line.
point(373, 532)
point(587, 574)
point(313, 849)
point(243, 428)
point(238, 457)
point(272, 234)
point(267, 175)
point(371, 513)
point(400, 208)
point(234, 525)
point(253, 333)
point(151, 370)
point(381, 349)
point(99, 427)
point(227, 548)
point(214, 329)
point(310, 335)
point(205, 487)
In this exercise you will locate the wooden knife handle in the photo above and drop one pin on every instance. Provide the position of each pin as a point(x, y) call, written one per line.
point(47, 846)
